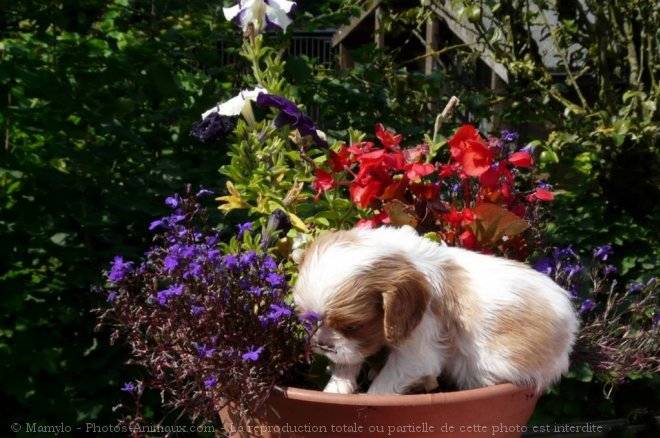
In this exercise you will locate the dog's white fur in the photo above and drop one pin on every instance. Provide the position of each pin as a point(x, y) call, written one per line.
point(479, 320)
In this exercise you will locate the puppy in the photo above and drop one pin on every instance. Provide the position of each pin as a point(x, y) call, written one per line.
point(479, 320)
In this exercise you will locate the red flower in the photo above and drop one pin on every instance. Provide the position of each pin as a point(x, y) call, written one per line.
point(467, 239)
point(476, 158)
point(363, 195)
point(468, 148)
point(340, 160)
point(543, 194)
point(489, 178)
point(324, 181)
point(418, 170)
point(467, 216)
point(416, 154)
point(462, 135)
point(358, 149)
point(374, 221)
point(429, 191)
point(387, 138)
point(521, 159)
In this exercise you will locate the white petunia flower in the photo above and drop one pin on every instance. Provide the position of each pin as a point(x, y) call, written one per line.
point(240, 104)
point(261, 13)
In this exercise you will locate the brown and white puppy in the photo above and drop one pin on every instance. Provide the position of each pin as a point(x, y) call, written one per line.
point(479, 320)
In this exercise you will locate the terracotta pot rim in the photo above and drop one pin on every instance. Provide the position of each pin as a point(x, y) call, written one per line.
point(439, 398)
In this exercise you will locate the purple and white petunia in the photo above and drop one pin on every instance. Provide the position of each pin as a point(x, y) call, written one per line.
point(262, 14)
point(240, 104)
point(291, 115)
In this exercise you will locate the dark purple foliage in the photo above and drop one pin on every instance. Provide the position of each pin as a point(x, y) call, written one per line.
point(193, 317)
point(618, 335)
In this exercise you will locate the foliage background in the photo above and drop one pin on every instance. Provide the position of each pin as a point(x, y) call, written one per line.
point(96, 100)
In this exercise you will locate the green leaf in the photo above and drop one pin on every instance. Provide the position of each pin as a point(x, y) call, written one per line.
point(581, 371)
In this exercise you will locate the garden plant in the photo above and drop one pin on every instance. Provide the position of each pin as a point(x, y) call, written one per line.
point(100, 105)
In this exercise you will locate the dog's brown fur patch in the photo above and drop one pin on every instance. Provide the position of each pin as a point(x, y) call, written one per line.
point(525, 333)
point(456, 307)
point(381, 306)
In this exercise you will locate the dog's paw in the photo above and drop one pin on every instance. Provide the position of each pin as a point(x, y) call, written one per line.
point(340, 386)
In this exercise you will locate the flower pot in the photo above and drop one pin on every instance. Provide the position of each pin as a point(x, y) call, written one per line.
point(501, 410)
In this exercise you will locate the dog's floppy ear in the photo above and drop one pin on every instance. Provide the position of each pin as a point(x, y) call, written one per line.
point(405, 299)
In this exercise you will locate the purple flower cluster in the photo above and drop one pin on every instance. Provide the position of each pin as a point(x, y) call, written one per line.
point(563, 260)
point(617, 324)
point(509, 136)
point(119, 269)
point(207, 323)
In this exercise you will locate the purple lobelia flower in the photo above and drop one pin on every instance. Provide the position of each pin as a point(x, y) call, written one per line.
point(242, 228)
point(165, 294)
point(172, 201)
point(197, 310)
point(252, 354)
point(248, 259)
point(274, 279)
point(277, 312)
point(129, 387)
point(509, 136)
point(119, 269)
point(291, 115)
point(587, 305)
point(223, 308)
point(571, 270)
point(170, 263)
point(211, 381)
point(205, 351)
point(609, 269)
point(544, 265)
point(204, 192)
point(603, 252)
point(309, 319)
point(230, 261)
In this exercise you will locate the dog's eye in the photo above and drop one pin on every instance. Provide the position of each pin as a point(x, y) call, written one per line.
point(350, 328)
